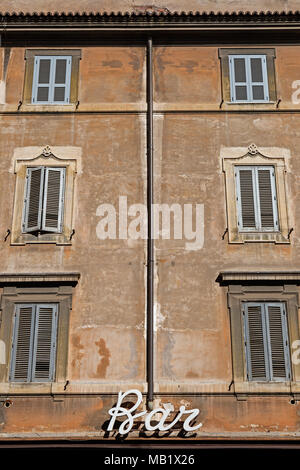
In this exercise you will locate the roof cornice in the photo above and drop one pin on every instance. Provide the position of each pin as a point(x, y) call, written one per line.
point(148, 18)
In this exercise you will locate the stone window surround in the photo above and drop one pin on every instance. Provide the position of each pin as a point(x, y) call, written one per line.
point(28, 79)
point(36, 288)
point(261, 287)
point(254, 156)
point(66, 157)
point(225, 76)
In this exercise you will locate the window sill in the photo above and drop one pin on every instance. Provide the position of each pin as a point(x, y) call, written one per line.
point(229, 105)
point(245, 388)
point(27, 238)
point(258, 237)
point(50, 108)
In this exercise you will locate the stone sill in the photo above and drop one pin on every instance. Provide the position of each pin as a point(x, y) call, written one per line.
point(141, 107)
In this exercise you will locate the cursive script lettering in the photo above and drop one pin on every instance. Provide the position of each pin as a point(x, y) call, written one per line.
point(126, 425)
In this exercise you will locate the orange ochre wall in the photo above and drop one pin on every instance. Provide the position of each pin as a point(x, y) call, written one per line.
point(107, 324)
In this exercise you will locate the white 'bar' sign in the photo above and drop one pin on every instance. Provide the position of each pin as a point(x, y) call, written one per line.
point(126, 425)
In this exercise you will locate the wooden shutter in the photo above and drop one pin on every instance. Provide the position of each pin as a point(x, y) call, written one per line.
point(258, 78)
point(61, 92)
point(53, 199)
point(266, 342)
point(248, 78)
point(51, 80)
point(255, 335)
point(22, 346)
point(41, 86)
point(267, 198)
point(238, 78)
point(44, 343)
point(33, 199)
point(246, 199)
point(278, 342)
point(256, 198)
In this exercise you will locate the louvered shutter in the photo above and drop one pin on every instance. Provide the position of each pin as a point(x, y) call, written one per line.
point(42, 80)
point(267, 198)
point(43, 366)
point(61, 90)
point(239, 78)
point(248, 78)
point(33, 199)
point(53, 199)
point(51, 80)
point(258, 79)
point(22, 346)
point(255, 342)
point(246, 199)
point(278, 342)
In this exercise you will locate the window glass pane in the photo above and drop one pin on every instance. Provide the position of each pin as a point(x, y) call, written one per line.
point(241, 93)
point(258, 92)
point(59, 94)
point(43, 93)
point(60, 71)
point(256, 70)
point(239, 70)
point(44, 72)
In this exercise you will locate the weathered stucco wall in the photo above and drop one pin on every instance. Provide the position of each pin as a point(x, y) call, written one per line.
point(107, 324)
point(138, 5)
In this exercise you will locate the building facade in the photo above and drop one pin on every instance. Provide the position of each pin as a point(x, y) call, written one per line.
point(102, 115)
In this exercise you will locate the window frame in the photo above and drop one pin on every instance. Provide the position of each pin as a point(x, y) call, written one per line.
point(42, 288)
point(233, 157)
point(29, 77)
point(249, 83)
point(270, 54)
point(261, 287)
point(52, 158)
point(51, 84)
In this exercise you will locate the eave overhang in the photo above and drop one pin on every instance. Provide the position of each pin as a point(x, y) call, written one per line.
point(163, 26)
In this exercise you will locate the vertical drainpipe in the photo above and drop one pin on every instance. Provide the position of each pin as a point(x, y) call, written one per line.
point(150, 241)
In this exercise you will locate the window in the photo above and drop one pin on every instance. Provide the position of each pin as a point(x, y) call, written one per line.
point(51, 77)
point(34, 343)
point(43, 209)
point(51, 80)
point(34, 331)
point(256, 194)
point(264, 330)
point(44, 199)
point(266, 341)
point(256, 198)
point(248, 78)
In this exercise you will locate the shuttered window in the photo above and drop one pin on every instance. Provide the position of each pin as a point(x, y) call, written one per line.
point(248, 78)
point(51, 80)
point(34, 343)
point(44, 199)
point(256, 199)
point(266, 341)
